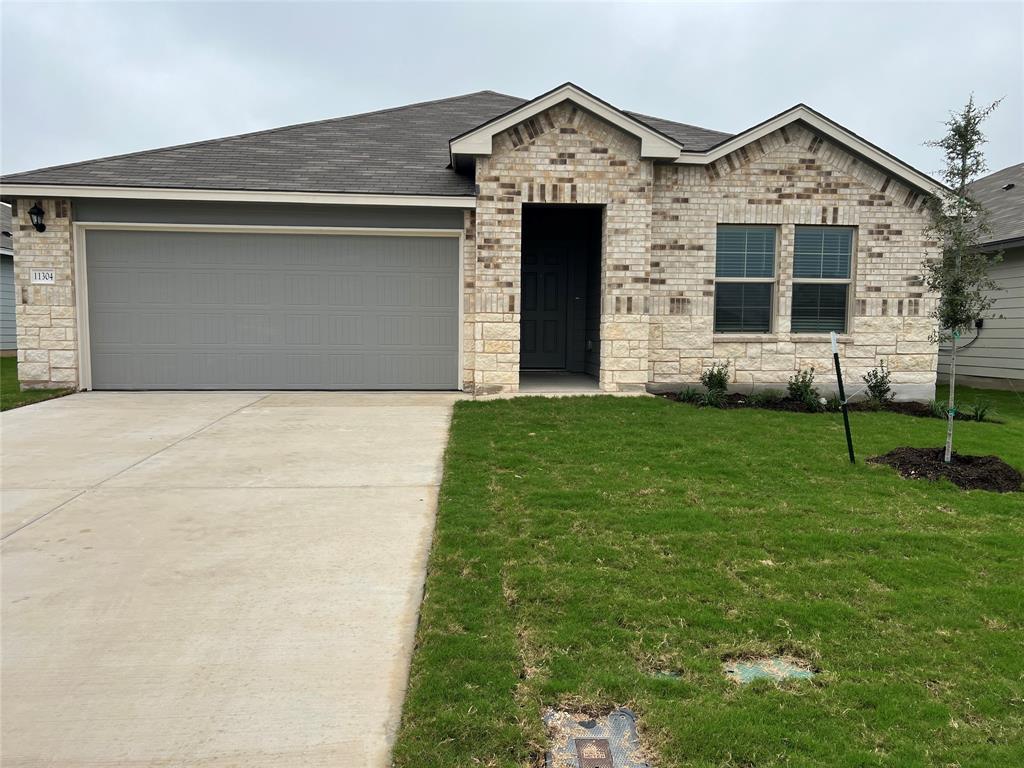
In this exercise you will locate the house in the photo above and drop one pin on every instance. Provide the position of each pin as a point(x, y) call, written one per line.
point(8, 334)
point(994, 356)
point(470, 242)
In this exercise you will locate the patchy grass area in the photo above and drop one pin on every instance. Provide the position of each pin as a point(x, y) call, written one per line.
point(585, 544)
point(11, 395)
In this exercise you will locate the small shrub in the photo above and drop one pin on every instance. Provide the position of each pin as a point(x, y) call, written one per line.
point(766, 397)
point(978, 410)
point(713, 398)
point(938, 409)
point(879, 386)
point(690, 395)
point(801, 388)
point(833, 404)
point(716, 377)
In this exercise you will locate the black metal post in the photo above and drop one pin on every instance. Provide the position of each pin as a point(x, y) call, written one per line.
point(842, 396)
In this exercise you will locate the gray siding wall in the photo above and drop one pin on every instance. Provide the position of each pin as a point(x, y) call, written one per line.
point(265, 214)
point(999, 352)
point(8, 329)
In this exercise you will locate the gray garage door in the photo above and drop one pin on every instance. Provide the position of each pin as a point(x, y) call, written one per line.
point(201, 310)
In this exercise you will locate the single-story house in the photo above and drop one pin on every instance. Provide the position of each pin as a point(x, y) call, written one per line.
point(468, 242)
point(994, 355)
point(8, 334)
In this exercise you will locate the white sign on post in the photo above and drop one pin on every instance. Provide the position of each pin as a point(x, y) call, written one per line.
point(43, 277)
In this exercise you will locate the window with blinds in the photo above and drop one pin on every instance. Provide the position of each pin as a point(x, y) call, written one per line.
point(744, 279)
point(822, 259)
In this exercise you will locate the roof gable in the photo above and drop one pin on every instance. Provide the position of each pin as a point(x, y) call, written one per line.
point(829, 128)
point(480, 140)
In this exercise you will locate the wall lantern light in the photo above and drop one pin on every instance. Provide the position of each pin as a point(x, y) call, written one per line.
point(35, 213)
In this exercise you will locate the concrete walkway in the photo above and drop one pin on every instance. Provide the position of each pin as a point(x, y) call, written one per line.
point(213, 579)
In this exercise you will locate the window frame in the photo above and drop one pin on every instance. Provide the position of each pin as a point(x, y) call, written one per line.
point(773, 280)
point(847, 281)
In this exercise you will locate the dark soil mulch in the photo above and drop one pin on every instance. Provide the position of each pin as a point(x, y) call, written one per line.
point(985, 473)
point(737, 400)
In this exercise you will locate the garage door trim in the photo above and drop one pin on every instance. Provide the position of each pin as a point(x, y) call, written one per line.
point(79, 229)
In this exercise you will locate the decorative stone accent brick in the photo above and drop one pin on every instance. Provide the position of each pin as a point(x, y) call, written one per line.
point(45, 314)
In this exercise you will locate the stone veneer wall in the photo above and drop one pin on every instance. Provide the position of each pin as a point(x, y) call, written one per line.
point(45, 314)
point(788, 178)
point(563, 155)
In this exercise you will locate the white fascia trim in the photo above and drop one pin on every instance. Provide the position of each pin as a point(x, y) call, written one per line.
point(297, 229)
point(481, 141)
point(827, 127)
point(237, 196)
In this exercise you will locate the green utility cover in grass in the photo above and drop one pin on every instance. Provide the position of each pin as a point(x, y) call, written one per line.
point(771, 668)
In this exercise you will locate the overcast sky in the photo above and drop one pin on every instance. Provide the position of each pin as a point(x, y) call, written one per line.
point(84, 80)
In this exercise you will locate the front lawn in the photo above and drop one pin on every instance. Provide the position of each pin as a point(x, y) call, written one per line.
point(583, 544)
point(11, 394)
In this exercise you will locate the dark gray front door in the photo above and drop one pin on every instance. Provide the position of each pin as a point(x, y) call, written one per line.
point(545, 302)
point(204, 310)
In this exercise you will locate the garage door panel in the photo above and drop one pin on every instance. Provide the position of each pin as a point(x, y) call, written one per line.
point(417, 331)
point(111, 287)
point(155, 327)
point(113, 327)
point(415, 290)
point(210, 368)
point(344, 291)
point(189, 310)
point(434, 369)
point(208, 329)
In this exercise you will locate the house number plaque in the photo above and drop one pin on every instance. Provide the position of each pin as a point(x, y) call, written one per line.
point(43, 277)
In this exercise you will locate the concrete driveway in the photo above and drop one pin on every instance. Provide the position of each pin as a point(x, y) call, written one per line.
point(213, 579)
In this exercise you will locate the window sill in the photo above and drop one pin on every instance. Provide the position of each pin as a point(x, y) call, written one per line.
point(844, 338)
point(841, 338)
point(740, 337)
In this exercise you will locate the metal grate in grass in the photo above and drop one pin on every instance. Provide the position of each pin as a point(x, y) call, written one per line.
point(579, 741)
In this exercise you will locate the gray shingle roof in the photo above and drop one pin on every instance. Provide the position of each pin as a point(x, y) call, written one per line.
point(690, 136)
point(394, 151)
point(1005, 206)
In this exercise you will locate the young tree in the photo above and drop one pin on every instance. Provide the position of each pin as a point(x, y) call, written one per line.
point(960, 274)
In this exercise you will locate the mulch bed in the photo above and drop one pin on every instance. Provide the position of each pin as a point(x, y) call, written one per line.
point(985, 473)
point(737, 400)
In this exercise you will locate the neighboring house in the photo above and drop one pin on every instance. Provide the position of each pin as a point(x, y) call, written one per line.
point(462, 243)
point(994, 355)
point(8, 333)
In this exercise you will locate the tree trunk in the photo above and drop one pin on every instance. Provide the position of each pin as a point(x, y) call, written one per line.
point(951, 412)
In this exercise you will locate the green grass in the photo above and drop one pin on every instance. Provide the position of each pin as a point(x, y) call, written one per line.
point(583, 542)
point(11, 394)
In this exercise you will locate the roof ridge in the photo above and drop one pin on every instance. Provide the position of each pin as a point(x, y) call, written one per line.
point(262, 131)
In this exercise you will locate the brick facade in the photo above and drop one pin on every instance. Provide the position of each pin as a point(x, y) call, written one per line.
point(45, 314)
point(657, 277)
point(563, 155)
point(658, 255)
point(790, 177)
